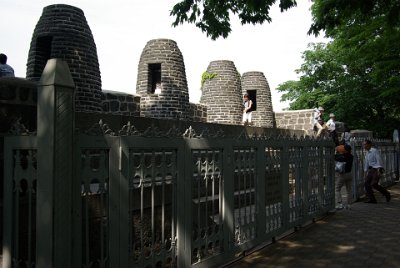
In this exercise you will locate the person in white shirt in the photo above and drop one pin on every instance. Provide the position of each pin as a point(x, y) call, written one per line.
point(373, 168)
point(247, 108)
point(5, 69)
point(318, 120)
point(158, 89)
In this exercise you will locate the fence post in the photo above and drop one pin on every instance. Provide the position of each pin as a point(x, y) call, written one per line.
point(55, 151)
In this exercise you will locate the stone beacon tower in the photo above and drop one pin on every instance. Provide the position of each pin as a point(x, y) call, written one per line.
point(161, 81)
point(255, 84)
point(63, 32)
point(221, 93)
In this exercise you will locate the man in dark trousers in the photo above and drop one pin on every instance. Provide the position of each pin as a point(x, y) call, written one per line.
point(373, 168)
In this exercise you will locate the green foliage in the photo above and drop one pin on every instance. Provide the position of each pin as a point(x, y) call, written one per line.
point(328, 15)
point(356, 75)
point(213, 17)
point(207, 76)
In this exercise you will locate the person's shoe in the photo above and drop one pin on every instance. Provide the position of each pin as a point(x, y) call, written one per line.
point(388, 197)
point(371, 201)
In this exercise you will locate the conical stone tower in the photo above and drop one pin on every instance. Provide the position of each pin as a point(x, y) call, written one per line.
point(63, 32)
point(256, 86)
point(161, 81)
point(222, 93)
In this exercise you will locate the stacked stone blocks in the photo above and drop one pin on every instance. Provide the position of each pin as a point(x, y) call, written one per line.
point(120, 103)
point(173, 101)
point(222, 94)
point(63, 32)
point(198, 112)
point(298, 119)
point(264, 115)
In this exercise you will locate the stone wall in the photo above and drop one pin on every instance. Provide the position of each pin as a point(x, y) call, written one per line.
point(63, 32)
point(162, 57)
point(222, 94)
point(298, 119)
point(120, 103)
point(198, 112)
point(263, 116)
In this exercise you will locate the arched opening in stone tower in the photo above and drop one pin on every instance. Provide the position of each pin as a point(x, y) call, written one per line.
point(154, 78)
point(253, 97)
point(43, 53)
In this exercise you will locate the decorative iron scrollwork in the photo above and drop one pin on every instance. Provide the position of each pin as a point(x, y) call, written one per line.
point(19, 129)
point(190, 133)
point(99, 129)
point(128, 130)
point(174, 132)
point(153, 131)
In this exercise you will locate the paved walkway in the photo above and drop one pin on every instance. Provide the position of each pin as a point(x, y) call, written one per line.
point(366, 236)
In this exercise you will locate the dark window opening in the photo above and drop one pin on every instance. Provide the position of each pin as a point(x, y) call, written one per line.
point(253, 97)
point(154, 77)
point(43, 54)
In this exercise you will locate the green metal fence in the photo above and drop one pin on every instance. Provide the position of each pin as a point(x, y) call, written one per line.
point(165, 202)
point(151, 199)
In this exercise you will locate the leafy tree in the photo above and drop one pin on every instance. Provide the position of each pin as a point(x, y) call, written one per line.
point(213, 16)
point(330, 14)
point(357, 75)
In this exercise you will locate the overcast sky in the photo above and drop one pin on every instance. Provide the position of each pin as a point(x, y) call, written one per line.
point(121, 29)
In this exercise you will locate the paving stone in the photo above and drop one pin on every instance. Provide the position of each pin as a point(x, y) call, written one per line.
point(366, 236)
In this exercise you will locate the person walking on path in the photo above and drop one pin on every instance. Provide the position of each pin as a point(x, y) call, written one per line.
point(373, 168)
point(5, 69)
point(344, 178)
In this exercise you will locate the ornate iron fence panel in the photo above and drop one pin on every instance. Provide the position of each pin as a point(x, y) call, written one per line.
point(151, 171)
point(296, 179)
point(245, 175)
point(94, 178)
point(274, 189)
point(19, 222)
point(92, 194)
point(314, 178)
point(207, 224)
point(388, 152)
point(327, 178)
point(152, 205)
point(358, 169)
